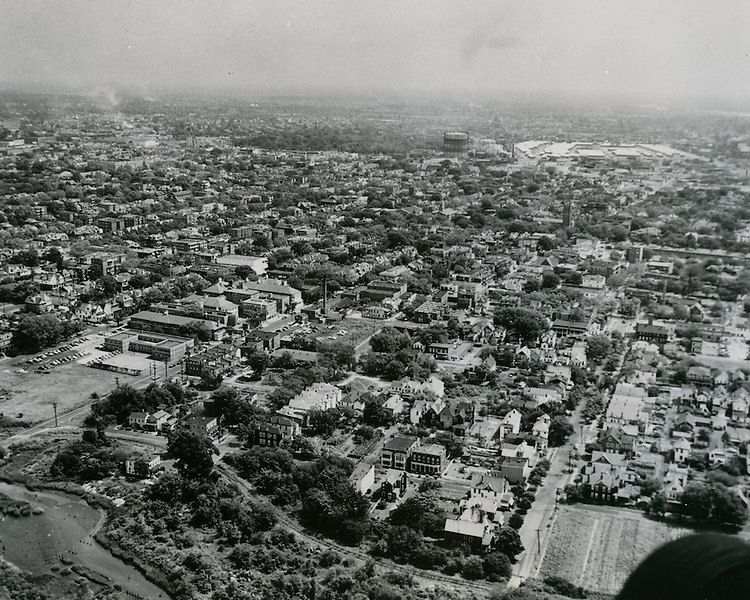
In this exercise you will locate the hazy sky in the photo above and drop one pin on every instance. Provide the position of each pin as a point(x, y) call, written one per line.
point(653, 47)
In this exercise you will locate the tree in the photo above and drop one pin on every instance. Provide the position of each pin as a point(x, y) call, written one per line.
point(598, 347)
point(527, 324)
point(210, 380)
point(559, 431)
point(193, 453)
point(421, 513)
point(508, 542)
point(658, 505)
point(375, 414)
point(550, 281)
point(35, 332)
point(323, 422)
point(452, 445)
point(390, 341)
point(196, 330)
point(258, 361)
point(515, 521)
point(496, 565)
point(727, 507)
point(696, 501)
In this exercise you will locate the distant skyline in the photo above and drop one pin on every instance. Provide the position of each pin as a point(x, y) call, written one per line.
point(651, 50)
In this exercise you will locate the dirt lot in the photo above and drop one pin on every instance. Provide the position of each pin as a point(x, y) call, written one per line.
point(357, 330)
point(32, 393)
point(599, 550)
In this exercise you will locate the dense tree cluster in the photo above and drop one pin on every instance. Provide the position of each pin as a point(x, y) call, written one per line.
point(327, 501)
point(124, 399)
point(36, 332)
point(524, 323)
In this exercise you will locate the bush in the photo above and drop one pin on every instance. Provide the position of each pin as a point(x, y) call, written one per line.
point(473, 568)
point(564, 587)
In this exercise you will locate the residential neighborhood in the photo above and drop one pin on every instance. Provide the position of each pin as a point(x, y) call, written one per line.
point(286, 348)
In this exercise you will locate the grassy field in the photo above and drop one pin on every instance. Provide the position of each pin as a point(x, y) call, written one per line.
point(599, 550)
point(32, 394)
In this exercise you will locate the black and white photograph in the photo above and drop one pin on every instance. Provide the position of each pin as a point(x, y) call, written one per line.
point(374, 300)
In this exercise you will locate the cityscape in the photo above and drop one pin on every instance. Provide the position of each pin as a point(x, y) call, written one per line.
point(345, 344)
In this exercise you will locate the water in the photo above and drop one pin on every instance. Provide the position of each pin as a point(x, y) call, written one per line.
point(65, 528)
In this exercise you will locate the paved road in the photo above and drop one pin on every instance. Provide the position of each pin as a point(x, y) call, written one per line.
point(537, 524)
point(75, 416)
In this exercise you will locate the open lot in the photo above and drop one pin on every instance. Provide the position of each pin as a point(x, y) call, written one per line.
point(32, 393)
point(598, 550)
point(356, 331)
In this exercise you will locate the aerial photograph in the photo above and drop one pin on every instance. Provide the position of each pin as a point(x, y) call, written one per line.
point(374, 300)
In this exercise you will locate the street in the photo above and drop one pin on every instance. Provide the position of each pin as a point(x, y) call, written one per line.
point(537, 524)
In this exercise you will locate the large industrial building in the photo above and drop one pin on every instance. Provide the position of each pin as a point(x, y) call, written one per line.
point(455, 143)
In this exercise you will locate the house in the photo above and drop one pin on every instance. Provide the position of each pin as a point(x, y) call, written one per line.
point(397, 451)
point(458, 416)
point(289, 428)
point(675, 481)
point(517, 461)
point(700, 376)
point(647, 332)
point(204, 426)
point(540, 431)
point(606, 478)
point(216, 360)
point(717, 457)
point(557, 374)
point(264, 434)
point(615, 439)
point(138, 419)
point(494, 481)
point(626, 407)
point(535, 396)
point(363, 477)
point(429, 459)
point(511, 423)
point(142, 466)
point(578, 355)
point(393, 483)
point(408, 387)
point(426, 410)
point(319, 396)
point(739, 410)
point(473, 527)
point(486, 499)
point(157, 421)
point(571, 329)
point(394, 404)
point(682, 449)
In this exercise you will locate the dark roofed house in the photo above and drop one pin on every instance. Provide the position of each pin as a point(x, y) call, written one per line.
point(264, 434)
point(614, 439)
point(648, 332)
point(698, 375)
point(396, 452)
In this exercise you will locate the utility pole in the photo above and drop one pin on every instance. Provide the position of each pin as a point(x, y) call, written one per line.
point(54, 407)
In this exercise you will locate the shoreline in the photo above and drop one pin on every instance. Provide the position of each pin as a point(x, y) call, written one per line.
point(98, 531)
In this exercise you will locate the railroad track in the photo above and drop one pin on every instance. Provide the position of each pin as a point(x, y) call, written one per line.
point(421, 574)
